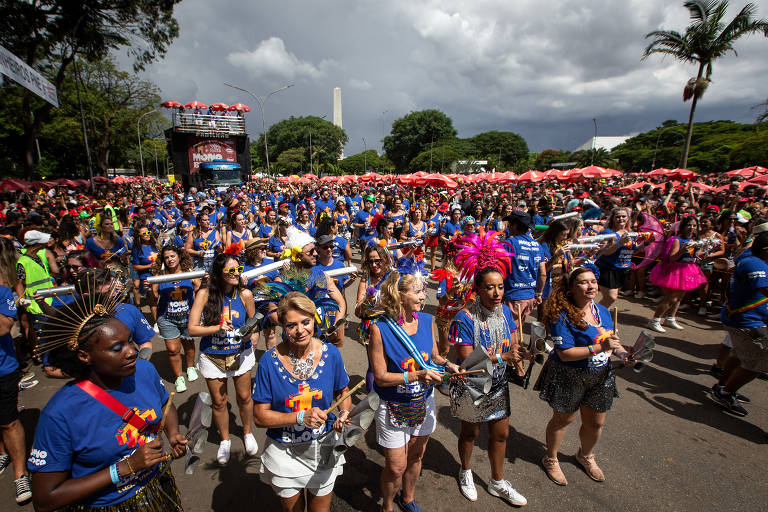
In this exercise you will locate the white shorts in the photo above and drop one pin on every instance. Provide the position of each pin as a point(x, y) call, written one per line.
point(290, 492)
point(389, 436)
point(210, 371)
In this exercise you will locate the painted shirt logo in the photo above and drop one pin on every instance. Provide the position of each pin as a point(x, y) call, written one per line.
point(177, 293)
point(409, 365)
point(601, 359)
point(302, 401)
point(127, 434)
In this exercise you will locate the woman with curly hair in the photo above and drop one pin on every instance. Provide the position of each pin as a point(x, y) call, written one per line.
point(143, 258)
point(577, 378)
point(174, 300)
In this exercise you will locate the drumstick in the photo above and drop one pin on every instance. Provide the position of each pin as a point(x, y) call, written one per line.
point(345, 396)
point(165, 411)
point(520, 324)
point(458, 375)
point(615, 321)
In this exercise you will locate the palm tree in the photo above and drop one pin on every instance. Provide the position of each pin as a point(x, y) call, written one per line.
point(706, 39)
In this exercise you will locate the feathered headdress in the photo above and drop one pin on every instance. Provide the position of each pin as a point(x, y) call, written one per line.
point(65, 327)
point(413, 266)
point(483, 250)
point(234, 249)
point(296, 280)
point(375, 220)
point(296, 240)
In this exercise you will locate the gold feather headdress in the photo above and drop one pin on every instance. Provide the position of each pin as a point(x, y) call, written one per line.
point(64, 328)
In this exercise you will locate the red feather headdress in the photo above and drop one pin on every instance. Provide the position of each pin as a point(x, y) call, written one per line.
point(482, 250)
point(234, 249)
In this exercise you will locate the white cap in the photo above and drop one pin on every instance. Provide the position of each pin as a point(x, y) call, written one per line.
point(297, 238)
point(33, 237)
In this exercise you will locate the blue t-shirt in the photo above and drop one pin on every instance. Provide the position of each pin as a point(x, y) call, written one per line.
point(134, 320)
point(540, 220)
point(520, 282)
point(223, 342)
point(278, 388)
point(265, 231)
point(746, 305)
point(621, 259)
point(79, 436)
point(366, 233)
point(100, 253)
point(462, 333)
point(399, 360)
point(269, 275)
point(276, 245)
point(175, 299)
point(143, 255)
point(8, 361)
point(339, 281)
point(546, 255)
point(339, 246)
point(566, 335)
point(450, 229)
point(354, 204)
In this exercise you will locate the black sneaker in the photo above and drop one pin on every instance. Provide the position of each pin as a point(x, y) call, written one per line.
point(728, 401)
point(5, 461)
point(716, 372)
point(23, 490)
point(741, 398)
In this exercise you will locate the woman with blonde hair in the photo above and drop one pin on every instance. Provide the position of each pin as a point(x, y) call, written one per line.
point(406, 364)
point(294, 386)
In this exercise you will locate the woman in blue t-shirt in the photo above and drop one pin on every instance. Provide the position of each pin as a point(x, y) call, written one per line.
point(577, 379)
point(406, 364)
point(615, 258)
point(296, 382)
point(143, 256)
point(85, 454)
point(217, 313)
point(106, 243)
point(203, 242)
point(174, 300)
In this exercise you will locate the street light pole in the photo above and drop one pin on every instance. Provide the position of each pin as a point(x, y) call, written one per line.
point(594, 142)
point(138, 135)
point(365, 157)
point(261, 106)
point(383, 119)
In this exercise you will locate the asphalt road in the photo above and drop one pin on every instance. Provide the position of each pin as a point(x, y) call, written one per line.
point(666, 446)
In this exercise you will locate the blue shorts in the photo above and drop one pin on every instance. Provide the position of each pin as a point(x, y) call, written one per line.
point(172, 328)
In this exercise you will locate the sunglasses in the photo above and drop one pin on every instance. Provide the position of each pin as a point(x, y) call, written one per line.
point(312, 251)
point(74, 267)
point(233, 270)
point(375, 262)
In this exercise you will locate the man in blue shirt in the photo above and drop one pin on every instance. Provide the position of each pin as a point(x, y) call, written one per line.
point(745, 316)
point(362, 221)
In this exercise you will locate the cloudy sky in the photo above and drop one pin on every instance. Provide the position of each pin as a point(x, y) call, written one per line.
point(541, 68)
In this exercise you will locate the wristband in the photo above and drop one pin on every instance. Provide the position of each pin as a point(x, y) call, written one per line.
point(591, 349)
point(405, 378)
point(300, 417)
point(113, 474)
point(499, 359)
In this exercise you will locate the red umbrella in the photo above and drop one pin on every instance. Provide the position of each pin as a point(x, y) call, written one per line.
point(43, 184)
point(171, 104)
point(195, 104)
point(219, 107)
point(310, 176)
point(506, 177)
point(637, 185)
point(703, 187)
point(436, 180)
point(682, 174)
point(240, 107)
point(567, 174)
point(64, 182)
point(100, 179)
point(11, 185)
point(760, 180)
point(659, 173)
point(747, 172)
point(551, 174)
point(593, 171)
point(530, 176)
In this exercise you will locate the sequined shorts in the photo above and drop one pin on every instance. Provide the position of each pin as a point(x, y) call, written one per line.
point(159, 495)
point(567, 388)
point(474, 407)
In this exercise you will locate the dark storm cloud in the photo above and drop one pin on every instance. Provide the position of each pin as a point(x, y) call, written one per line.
point(542, 68)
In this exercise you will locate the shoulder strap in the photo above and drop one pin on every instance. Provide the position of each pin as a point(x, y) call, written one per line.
point(114, 405)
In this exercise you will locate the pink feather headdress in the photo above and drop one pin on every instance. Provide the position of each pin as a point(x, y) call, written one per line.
point(482, 250)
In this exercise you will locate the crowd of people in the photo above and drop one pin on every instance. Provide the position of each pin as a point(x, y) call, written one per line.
point(89, 278)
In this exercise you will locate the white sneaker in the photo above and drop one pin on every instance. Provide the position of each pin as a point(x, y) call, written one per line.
point(181, 385)
point(504, 490)
point(251, 446)
point(467, 485)
point(655, 324)
point(671, 322)
point(222, 456)
point(191, 374)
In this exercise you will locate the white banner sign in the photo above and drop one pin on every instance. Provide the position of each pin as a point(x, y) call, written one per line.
point(13, 67)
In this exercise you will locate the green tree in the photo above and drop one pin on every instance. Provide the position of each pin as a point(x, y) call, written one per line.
point(292, 160)
point(48, 36)
point(751, 151)
point(356, 164)
point(706, 39)
point(327, 139)
point(440, 158)
point(546, 158)
point(510, 145)
point(416, 132)
point(600, 157)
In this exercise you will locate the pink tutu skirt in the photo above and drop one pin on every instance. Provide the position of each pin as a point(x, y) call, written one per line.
point(675, 275)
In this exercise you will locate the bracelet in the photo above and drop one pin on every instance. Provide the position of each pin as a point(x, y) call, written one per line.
point(113, 474)
point(300, 417)
point(591, 349)
point(405, 378)
point(130, 468)
point(499, 359)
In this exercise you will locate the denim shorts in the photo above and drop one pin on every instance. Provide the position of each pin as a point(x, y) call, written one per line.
point(172, 328)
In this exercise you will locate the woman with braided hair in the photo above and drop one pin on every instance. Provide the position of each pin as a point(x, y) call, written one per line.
point(577, 378)
point(93, 456)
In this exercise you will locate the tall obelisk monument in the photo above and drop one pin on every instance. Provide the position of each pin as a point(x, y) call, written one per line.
point(337, 112)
